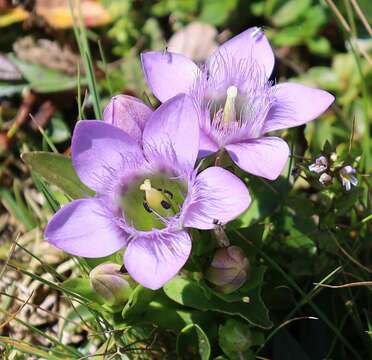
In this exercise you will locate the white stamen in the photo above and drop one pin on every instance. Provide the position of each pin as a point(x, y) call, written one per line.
point(229, 112)
point(146, 186)
point(232, 92)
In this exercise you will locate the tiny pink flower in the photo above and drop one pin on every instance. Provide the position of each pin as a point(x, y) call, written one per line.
point(320, 165)
point(347, 177)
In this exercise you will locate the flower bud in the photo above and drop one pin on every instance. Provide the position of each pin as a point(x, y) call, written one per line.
point(229, 269)
point(112, 285)
point(325, 178)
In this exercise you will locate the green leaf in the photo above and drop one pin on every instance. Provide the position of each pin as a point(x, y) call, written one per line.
point(9, 89)
point(290, 12)
point(217, 12)
point(320, 46)
point(81, 286)
point(235, 339)
point(18, 210)
point(58, 170)
point(196, 295)
point(153, 307)
point(58, 131)
point(266, 198)
point(137, 302)
point(193, 341)
point(43, 79)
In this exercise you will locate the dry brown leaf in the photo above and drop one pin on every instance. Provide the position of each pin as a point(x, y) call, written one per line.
point(57, 13)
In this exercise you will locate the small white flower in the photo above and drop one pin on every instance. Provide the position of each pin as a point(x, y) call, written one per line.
point(334, 156)
point(347, 177)
point(320, 165)
point(325, 178)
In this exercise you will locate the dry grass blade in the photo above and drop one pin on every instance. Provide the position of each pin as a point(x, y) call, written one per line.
point(361, 16)
point(347, 28)
point(356, 262)
point(340, 17)
point(354, 284)
point(11, 251)
point(14, 314)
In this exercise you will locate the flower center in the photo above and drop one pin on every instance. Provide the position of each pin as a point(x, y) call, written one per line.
point(149, 202)
point(229, 110)
point(158, 200)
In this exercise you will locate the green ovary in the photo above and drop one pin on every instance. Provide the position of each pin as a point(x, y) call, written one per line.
point(151, 198)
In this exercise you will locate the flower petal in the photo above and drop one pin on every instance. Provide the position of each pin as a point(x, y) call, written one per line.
point(99, 149)
point(264, 157)
point(217, 196)
point(295, 105)
point(127, 113)
point(154, 259)
point(168, 74)
point(206, 145)
point(250, 44)
point(85, 227)
point(173, 131)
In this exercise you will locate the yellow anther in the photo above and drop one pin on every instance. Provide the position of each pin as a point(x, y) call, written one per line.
point(154, 197)
point(229, 112)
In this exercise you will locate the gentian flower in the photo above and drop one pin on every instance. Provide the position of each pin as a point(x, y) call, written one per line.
point(146, 195)
point(347, 177)
point(238, 104)
point(320, 165)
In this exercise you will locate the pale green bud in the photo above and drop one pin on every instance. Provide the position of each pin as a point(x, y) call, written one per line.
point(111, 284)
point(229, 269)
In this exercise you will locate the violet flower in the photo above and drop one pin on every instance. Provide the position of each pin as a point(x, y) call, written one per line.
point(347, 177)
point(145, 195)
point(320, 165)
point(238, 104)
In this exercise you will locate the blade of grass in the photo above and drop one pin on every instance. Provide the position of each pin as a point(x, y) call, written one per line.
point(44, 135)
point(33, 329)
point(44, 265)
point(26, 348)
point(105, 67)
point(11, 205)
point(43, 188)
point(27, 214)
point(82, 41)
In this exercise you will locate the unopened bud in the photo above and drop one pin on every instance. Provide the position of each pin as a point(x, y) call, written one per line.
point(229, 269)
point(334, 156)
point(325, 178)
point(112, 285)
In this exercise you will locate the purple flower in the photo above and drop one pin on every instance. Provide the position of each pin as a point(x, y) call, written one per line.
point(145, 195)
point(320, 165)
point(347, 177)
point(238, 104)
